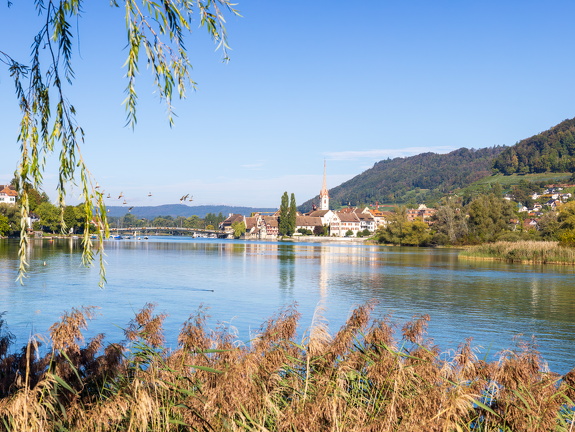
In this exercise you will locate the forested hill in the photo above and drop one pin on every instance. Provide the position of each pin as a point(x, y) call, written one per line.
point(549, 151)
point(419, 178)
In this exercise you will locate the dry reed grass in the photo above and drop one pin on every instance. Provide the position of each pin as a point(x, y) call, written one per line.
point(360, 379)
point(544, 252)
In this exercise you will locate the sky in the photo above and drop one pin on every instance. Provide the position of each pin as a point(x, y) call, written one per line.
point(348, 83)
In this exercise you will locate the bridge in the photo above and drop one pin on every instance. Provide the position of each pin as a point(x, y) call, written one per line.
point(195, 232)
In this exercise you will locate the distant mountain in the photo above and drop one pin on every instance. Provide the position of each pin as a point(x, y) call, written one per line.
point(550, 151)
point(419, 178)
point(175, 210)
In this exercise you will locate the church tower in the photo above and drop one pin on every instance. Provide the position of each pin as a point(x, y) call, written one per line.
point(324, 194)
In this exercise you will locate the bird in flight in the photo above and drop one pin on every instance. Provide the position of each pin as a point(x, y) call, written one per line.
point(130, 209)
point(149, 193)
point(185, 197)
point(121, 195)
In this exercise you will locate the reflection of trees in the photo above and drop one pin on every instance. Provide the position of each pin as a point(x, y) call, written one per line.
point(286, 261)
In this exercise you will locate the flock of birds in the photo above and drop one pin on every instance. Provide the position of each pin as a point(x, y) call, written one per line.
point(184, 198)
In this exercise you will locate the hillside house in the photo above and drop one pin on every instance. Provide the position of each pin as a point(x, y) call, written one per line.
point(422, 212)
point(8, 195)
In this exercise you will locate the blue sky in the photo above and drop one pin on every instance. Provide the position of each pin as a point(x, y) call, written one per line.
point(349, 83)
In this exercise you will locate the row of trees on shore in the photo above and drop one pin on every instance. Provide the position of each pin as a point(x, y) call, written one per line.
point(486, 218)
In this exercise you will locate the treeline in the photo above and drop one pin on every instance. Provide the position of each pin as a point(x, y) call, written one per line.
point(549, 151)
point(422, 178)
point(44, 216)
point(210, 221)
point(488, 217)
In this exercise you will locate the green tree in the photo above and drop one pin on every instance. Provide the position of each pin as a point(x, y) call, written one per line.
point(155, 30)
point(450, 222)
point(489, 217)
point(193, 222)
point(49, 215)
point(292, 216)
point(548, 226)
point(12, 213)
point(566, 220)
point(283, 225)
point(239, 228)
point(4, 225)
point(416, 233)
point(393, 232)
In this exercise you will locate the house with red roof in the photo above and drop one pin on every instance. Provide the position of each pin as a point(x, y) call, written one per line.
point(8, 195)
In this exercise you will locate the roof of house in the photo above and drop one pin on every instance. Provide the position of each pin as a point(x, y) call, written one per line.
point(8, 190)
point(233, 218)
point(318, 213)
point(348, 217)
point(308, 221)
point(251, 222)
point(271, 220)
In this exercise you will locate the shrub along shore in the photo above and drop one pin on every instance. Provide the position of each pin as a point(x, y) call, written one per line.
point(535, 252)
point(360, 379)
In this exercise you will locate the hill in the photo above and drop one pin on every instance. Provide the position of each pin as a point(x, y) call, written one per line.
point(550, 151)
point(175, 210)
point(421, 178)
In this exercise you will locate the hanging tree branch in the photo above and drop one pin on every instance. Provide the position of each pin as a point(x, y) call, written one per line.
point(48, 120)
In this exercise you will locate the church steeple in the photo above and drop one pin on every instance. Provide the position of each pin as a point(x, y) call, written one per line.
point(324, 194)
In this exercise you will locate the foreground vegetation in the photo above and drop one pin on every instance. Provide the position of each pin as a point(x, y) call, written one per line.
point(361, 379)
point(525, 251)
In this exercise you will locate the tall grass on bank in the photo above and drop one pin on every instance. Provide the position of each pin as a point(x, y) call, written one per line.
point(360, 379)
point(544, 252)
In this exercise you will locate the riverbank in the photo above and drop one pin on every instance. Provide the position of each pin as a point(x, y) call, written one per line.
point(527, 252)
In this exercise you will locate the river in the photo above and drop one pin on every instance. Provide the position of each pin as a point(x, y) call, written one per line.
point(244, 283)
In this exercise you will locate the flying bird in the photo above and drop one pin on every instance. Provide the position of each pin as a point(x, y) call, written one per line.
point(121, 195)
point(130, 209)
point(109, 196)
point(125, 202)
point(191, 198)
point(185, 197)
point(149, 193)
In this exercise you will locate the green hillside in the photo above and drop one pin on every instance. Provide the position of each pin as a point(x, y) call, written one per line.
point(421, 178)
point(550, 151)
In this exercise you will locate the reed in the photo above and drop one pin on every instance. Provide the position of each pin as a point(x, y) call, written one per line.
point(362, 378)
point(543, 252)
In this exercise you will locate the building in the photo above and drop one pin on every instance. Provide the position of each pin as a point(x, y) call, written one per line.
point(8, 195)
point(324, 194)
point(422, 212)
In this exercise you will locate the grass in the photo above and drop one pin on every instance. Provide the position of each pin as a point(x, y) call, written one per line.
point(507, 181)
point(360, 379)
point(537, 252)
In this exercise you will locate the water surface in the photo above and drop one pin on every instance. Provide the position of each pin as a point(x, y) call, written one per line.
point(244, 283)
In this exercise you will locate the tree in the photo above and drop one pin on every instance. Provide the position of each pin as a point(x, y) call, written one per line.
point(239, 228)
point(292, 216)
point(566, 220)
point(489, 216)
point(49, 217)
point(450, 221)
point(48, 122)
point(4, 225)
point(283, 225)
point(393, 231)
